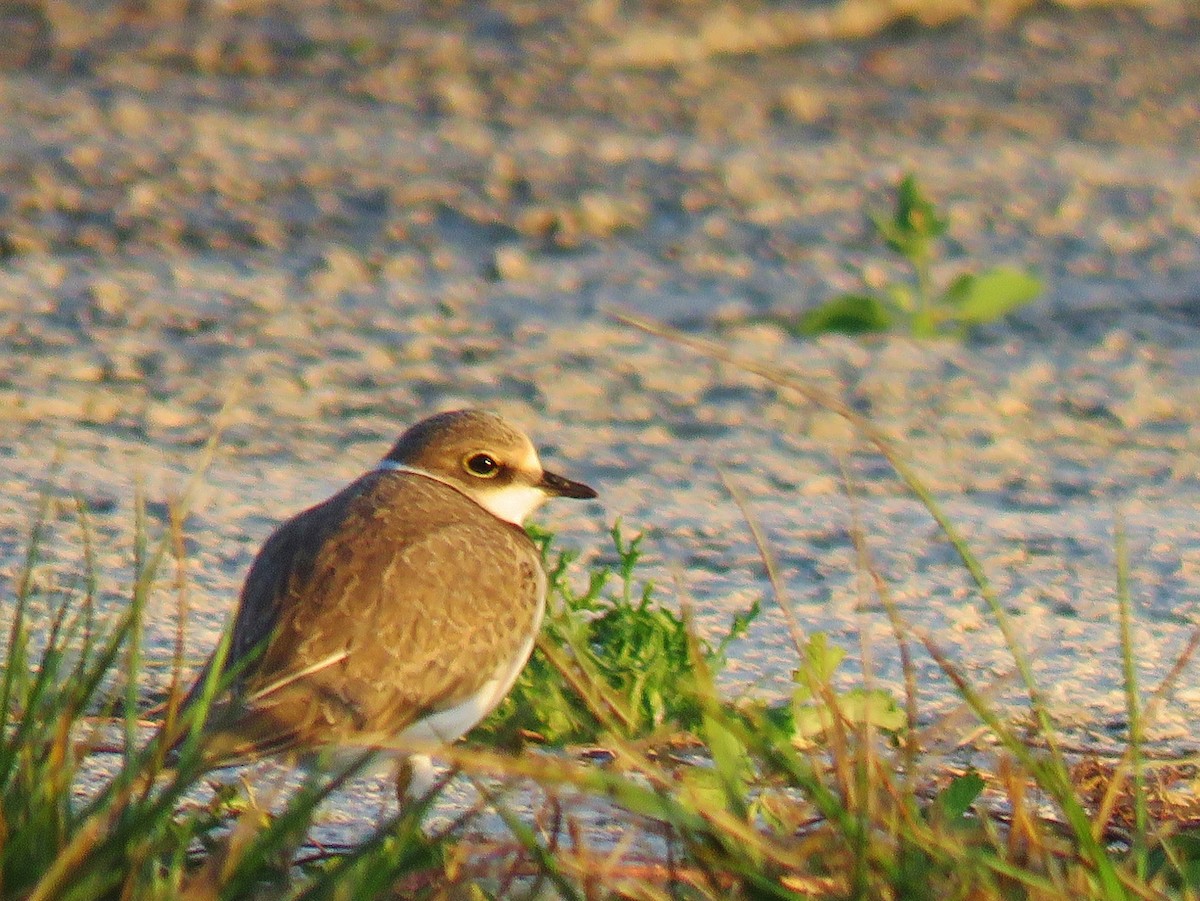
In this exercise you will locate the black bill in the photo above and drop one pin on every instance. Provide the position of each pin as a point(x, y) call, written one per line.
point(560, 487)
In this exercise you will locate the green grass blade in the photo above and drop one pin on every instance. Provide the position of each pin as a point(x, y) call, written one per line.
point(528, 840)
point(397, 848)
point(1133, 707)
point(16, 664)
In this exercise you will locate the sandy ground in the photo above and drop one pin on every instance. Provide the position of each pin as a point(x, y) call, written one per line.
point(337, 225)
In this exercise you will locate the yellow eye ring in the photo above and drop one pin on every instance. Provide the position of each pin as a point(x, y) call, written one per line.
point(483, 466)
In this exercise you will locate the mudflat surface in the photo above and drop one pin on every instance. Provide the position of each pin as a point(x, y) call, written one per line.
point(331, 226)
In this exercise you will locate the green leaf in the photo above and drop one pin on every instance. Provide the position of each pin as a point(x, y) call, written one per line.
point(1178, 860)
point(738, 627)
point(821, 659)
point(903, 297)
point(706, 790)
point(956, 799)
point(856, 707)
point(728, 753)
point(817, 665)
point(849, 314)
point(914, 223)
point(992, 294)
point(959, 290)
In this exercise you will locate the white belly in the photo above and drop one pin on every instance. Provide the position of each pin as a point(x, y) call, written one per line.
point(449, 725)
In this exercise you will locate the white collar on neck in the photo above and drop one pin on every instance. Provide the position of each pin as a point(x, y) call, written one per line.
point(512, 503)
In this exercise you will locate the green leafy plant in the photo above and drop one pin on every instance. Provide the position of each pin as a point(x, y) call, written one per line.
point(816, 705)
point(919, 306)
point(631, 649)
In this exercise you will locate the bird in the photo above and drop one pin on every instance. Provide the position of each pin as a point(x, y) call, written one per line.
point(396, 614)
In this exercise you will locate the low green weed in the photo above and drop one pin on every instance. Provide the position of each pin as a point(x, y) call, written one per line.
point(815, 703)
point(918, 306)
point(628, 648)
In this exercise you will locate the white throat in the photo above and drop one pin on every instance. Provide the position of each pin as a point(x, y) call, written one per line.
point(512, 503)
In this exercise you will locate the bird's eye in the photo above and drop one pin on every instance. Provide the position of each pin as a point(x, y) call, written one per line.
point(482, 465)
